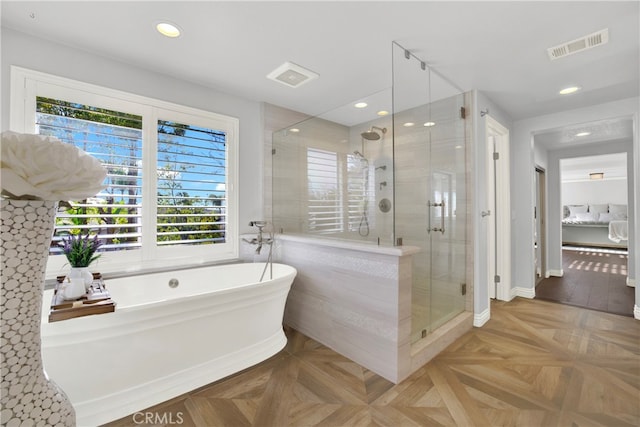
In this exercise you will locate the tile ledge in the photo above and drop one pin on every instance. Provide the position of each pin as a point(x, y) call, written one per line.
point(355, 246)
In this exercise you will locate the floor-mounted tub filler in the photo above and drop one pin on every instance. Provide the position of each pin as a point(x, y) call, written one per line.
point(171, 332)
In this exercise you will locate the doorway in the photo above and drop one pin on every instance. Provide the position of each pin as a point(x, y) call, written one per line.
point(594, 198)
point(498, 243)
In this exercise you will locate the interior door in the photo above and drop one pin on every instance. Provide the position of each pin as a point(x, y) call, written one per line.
point(499, 202)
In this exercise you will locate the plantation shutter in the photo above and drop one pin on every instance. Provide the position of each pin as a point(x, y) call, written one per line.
point(114, 138)
point(324, 192)
point(192, 185)
point(357, 173)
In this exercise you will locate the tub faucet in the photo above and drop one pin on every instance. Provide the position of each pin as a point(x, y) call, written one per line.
point(260, 239)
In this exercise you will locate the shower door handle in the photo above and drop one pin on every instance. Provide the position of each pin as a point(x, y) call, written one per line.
point(435, 205)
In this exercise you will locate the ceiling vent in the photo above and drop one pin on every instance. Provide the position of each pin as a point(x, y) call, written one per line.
point(292, 75)
point(577, 45)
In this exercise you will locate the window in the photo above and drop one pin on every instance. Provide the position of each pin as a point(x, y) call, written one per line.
point(358, 193)
point(191, 185)
point(170, 194)
point(114, 138)
point(325, 195)
point(337, 192)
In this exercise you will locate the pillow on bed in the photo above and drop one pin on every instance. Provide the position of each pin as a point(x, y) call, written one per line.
point(576, 209)
point(598, 208)
point(605, 217)
point(618, 209)
point(586, 216)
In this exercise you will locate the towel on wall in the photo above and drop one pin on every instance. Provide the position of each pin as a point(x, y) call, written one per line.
point(618, 230)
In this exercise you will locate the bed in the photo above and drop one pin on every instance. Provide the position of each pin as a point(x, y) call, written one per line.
point(600, 225)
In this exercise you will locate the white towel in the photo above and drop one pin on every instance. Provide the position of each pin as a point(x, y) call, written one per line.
point(618, 230)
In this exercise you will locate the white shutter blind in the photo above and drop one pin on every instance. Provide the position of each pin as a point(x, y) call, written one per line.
point(192, 181)
point(357, 180)
point(115, 138)
point(324, 204)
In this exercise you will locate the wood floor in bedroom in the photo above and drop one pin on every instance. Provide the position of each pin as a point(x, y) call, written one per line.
point(592, 278)
point(535, 363)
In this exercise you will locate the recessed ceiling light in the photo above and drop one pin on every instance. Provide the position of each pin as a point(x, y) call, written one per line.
point(383, 113)
point(294, 130)
point(360, 105)
point(583, 133)
point(429, 124)
point(167, 29)
point(596, 175)
point(569, 90)
point(408, 124)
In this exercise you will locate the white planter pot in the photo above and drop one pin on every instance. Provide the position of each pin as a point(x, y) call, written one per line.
point(81, 274)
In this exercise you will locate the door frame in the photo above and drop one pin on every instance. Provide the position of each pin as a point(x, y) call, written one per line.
point(540, 219)
point(498, 190)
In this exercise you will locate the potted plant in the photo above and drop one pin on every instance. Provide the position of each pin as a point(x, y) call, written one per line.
point(80, 251)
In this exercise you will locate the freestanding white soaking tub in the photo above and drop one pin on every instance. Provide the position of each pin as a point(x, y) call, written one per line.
point(163, 341)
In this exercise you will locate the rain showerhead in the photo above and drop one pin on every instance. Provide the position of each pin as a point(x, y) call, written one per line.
point(372, 135)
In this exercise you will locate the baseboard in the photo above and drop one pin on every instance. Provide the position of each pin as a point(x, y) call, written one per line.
point(636, 312)
point(554, 273)
point(479, 319)
point(529, 293)
point(631, 282)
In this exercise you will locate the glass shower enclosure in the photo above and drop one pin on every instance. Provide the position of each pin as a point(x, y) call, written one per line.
point(430, 188)
point(393, 173)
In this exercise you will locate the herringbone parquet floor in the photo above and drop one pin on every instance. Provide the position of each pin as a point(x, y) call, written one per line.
point(534, 363)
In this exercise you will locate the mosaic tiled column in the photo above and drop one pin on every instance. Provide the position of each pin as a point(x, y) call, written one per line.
point(27, 396)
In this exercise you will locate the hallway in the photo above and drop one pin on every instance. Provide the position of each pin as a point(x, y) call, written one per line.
point(592, 278)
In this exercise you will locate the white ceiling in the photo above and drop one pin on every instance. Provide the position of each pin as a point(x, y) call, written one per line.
point(614, 167)
point(615, 129)
point(496, 47)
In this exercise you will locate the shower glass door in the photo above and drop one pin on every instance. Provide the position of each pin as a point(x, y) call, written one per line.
point(430, 195)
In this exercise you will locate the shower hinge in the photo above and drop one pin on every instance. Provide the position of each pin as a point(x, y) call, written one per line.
point(424, 333)
point(463, 113)
point(496, 156)
point(273, 151)
point(463, 288)
point(496, 278)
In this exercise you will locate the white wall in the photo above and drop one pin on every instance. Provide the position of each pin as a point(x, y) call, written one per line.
point(42, 55)
point(594, 192)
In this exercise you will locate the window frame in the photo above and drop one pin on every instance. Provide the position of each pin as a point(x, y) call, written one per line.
point(27, 84)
